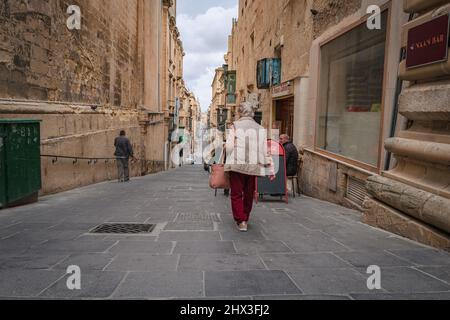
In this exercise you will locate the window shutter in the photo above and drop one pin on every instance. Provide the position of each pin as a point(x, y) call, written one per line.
point(262, 76)
point(268, 73)
point(276, 71)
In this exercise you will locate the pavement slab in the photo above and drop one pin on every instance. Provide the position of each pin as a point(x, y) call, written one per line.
point(143, 262)
point(162, 284)
point(295, 261)
point(189, 236)
point(202, 247)
point(330, 281)
point(408, 281)
point(133, 246)
point(254, 282)
point(261, 246)
point(26, 283)
point(220, 262)
point(86, 261)
point(305, 250)
point(94, 284)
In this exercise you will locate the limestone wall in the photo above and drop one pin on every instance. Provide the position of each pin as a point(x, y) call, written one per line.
point(77, 131)
point(264, 27)
point(85, 85)
point(326, 179)
point(41, 59)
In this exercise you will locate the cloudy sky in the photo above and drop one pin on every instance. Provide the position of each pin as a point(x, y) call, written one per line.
point(204, 26)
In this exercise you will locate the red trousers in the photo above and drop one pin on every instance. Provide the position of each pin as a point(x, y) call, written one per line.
point(242, 195)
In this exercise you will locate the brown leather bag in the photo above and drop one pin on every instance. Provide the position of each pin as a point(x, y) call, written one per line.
point(219, 179)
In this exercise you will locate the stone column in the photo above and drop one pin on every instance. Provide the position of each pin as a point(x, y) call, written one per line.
point(413, 199)
point(302, 119)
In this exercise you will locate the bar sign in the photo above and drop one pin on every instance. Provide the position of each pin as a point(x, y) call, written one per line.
point(428, 43)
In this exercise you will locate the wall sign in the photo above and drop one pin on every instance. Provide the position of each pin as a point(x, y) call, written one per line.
point(428, 43)
point(284, 89)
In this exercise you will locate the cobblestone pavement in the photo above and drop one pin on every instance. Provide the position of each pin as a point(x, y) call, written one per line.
point(307, 250)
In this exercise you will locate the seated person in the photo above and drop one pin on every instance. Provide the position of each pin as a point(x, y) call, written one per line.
point(291, 155)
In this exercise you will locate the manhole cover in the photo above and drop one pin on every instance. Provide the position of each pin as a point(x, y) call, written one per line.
point(123, 228)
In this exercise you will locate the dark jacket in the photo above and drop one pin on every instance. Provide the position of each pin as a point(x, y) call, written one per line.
point(123, 147)
point(291, 159)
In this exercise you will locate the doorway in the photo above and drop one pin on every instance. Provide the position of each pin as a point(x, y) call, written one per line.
point(284, 116)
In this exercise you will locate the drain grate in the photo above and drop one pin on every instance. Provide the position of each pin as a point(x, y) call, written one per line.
point(123, 228)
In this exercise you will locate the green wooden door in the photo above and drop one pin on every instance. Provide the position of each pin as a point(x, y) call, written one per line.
point(22, 160)
point(2, 167)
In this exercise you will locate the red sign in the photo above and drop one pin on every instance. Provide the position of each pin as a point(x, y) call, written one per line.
point(283, 89)
point(428, 43)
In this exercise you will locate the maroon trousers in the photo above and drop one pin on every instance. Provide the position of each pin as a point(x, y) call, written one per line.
point(242, 195)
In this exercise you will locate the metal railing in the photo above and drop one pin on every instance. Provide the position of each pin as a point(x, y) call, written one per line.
point(88, 159)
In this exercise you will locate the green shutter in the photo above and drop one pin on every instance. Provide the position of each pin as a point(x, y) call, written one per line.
point(23, 161)
point(262, 74)
point(2, 166)
point(276, 72)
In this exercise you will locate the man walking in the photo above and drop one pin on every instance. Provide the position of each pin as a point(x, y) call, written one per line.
point(124, 151)
point(291, 155)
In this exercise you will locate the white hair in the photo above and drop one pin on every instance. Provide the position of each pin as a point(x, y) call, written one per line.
point(247, 109)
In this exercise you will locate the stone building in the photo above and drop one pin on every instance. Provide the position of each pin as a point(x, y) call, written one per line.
point(194, 122)
point(218, 110)
point(120, 70)
point(327, 73)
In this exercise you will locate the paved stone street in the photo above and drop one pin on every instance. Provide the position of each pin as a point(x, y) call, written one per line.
point(308, 249)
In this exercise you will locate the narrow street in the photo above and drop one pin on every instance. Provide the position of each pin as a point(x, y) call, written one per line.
point(305, 250)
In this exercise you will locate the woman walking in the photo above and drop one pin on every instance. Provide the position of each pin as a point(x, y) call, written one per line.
point(247, 158)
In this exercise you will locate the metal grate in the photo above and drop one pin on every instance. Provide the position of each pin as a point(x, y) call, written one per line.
point(123, 228)
point(356, 190)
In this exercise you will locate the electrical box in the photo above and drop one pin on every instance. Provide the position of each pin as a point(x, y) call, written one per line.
point(20, 161)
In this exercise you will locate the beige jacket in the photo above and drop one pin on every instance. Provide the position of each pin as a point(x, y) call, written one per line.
point(246, 148)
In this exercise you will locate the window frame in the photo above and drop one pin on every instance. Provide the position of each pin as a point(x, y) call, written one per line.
point(375, 169)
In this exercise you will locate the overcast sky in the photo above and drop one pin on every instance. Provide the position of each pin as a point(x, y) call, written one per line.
point(204, 26)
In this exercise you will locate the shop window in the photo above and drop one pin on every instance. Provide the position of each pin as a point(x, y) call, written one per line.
point(284, 116)
point(351, 94)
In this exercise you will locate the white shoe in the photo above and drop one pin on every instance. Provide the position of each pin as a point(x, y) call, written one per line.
point(243, 227)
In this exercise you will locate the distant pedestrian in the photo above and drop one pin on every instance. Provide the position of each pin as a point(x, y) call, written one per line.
point(247, 158)
point(124, 150)
point(291, 155)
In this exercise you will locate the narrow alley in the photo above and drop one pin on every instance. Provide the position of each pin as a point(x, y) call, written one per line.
point(308, 249)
